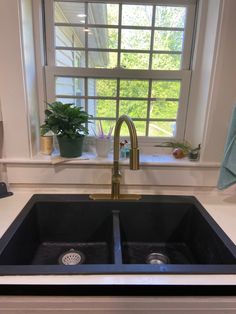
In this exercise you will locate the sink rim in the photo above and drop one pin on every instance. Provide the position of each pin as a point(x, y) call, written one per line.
point(118, 268)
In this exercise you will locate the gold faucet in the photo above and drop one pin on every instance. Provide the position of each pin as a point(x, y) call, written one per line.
point(134, 162)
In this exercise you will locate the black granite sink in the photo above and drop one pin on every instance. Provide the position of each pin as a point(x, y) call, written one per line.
point(71, 234)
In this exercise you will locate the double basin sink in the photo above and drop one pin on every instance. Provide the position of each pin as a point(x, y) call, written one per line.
point(71, 234)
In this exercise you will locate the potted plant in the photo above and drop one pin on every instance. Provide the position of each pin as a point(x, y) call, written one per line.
point(68, 123)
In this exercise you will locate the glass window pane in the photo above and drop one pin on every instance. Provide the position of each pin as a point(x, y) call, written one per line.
point(140, 128)
point(135, 39)
point(170, 16)
point(162, 129)
point(139, 61)
point(104, 38)
point(103, 108)
point(137, 15)
point(168, 40)
point(101, 13)
point(100, 59)
point(70, 58)
point(74, 12)
point(69, 86)
point(166, 89)
point(77, 102)
point(166, 61)
point(107, 126)
point(133, 88)
point(133, 108)
point(69, 36)
point(161, 109)
point(102, 87)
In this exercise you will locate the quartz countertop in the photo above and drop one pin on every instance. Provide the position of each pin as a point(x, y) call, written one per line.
point(220, 205)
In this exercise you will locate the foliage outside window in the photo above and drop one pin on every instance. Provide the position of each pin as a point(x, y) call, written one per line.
point(116, 58)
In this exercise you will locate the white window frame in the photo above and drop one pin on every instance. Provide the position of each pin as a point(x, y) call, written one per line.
point(184, 75)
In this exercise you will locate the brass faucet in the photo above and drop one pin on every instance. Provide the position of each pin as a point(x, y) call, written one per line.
point(134, 162)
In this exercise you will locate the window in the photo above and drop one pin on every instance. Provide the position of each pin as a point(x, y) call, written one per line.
point(122, 57)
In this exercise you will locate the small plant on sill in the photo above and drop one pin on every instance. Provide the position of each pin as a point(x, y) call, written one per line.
point(182, 149)
point(69, 123)
point(65, 120)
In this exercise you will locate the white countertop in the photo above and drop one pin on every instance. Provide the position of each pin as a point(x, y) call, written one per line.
point(220, 205)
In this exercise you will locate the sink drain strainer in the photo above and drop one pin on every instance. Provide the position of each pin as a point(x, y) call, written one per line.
point(71, 257)
point(157, 258)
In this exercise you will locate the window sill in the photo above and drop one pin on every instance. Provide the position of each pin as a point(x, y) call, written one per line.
point(146, 160)
point(155, 169)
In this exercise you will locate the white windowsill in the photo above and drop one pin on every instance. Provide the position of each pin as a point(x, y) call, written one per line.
point(157, 167)
point(151, 159)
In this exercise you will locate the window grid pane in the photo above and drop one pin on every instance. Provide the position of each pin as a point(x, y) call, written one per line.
point(153, 105)
point(139, 36)
point(122, 38)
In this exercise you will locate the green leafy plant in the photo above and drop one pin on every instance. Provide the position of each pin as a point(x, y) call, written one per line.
point(65, 120)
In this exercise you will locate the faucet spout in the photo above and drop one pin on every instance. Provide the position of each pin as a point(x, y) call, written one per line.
point(133, 162)
point(134, 153)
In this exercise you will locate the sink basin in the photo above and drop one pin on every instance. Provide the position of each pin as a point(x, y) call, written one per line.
point(71, 234)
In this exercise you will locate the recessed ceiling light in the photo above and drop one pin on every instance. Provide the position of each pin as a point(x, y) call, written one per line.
point(81, 15)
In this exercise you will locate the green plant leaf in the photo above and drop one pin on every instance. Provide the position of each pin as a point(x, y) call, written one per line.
point(65, 120)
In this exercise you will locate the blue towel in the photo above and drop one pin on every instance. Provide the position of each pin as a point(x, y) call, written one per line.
point(228, 167)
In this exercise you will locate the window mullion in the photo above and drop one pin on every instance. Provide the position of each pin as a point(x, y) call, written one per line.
point(183, 100)
point(49, 25)
point(118, 99)
point(50, 83)
point(189, 26)
point(150, 67)
point(122, 73)
point(140, 2)
point(152, 36)
point(86, 35)
point(119, 37)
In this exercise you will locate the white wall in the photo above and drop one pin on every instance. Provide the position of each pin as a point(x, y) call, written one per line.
point(30, 74)
point(1, 132)
point(223, 96)
point(202, 68)
point(213, 92)
point(12, 82)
